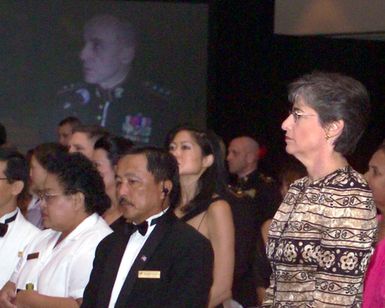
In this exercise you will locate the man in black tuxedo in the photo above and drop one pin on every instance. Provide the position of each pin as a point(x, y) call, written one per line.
point(160, 261)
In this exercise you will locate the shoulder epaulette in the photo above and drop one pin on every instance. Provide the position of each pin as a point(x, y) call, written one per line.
point(266, 179)
point(156, 89)
point(71, 87)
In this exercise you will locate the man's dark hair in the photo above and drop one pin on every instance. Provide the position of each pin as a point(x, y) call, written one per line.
point(16, 169)
point(46, 152)
point(3, 135)
point(93, 132)
point(163, 166)
point(76, 173)
point(335, 97)
point(72, 121)
point(114, 146)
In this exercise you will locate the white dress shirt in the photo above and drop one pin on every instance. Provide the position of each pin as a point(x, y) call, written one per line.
point(63, 270)
point(20, 232)
point(134, 245)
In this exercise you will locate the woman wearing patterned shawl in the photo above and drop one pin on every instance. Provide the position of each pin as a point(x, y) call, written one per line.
point(321, 236)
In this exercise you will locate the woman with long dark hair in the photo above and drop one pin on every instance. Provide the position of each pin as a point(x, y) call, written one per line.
point(203, 182)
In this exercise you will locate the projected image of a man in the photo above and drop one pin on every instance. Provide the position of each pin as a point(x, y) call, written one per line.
point(112, 95)
point(109, 48)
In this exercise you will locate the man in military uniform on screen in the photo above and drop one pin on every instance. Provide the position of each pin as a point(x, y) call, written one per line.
point(111, 97)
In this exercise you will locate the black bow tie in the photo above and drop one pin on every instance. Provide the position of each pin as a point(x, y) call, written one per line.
point(142, 228)
point(4, 226)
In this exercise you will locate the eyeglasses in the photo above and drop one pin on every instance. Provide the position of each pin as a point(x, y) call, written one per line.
point(47, 197)
point(297, 115)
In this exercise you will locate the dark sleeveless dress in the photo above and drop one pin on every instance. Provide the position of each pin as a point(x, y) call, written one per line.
point(202, 206)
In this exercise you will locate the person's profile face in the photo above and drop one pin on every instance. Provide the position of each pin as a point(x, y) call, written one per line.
point(376, 178)
point(304, 134)
point(37, 174)
point(140, 196)
point(64, 133)
point(236, 157)
point(188, 154)
point(5, 187)
point(81, 143)
point(102, 55)
point(58, 211)
point(105, 168)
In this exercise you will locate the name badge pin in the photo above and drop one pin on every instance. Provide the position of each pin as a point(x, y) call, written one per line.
point(149, 274)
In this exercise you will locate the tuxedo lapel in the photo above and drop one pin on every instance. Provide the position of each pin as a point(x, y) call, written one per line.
point(144, 256)
point(111, 268)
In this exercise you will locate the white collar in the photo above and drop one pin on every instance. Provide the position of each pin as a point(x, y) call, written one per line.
point(8, 215)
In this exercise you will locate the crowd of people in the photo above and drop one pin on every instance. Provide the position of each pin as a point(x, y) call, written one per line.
point(99, 219)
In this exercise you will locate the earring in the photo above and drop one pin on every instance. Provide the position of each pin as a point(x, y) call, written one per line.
point(327, 136)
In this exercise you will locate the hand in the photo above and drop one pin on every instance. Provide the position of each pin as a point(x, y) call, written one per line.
point(8, 296)
point(24, 298)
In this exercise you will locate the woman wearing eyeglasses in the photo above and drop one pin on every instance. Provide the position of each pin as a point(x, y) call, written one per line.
point(320, 238)
point(55, 267)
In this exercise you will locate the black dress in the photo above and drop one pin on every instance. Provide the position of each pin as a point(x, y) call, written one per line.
point(243, 287)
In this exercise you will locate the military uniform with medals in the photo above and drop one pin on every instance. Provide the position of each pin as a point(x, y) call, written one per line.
point(140, 111)
point(263, 189)
point(260, 197)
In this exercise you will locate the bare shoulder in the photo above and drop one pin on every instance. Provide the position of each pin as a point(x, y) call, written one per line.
point(220, 226)
point(218, 207)
point(219, 211)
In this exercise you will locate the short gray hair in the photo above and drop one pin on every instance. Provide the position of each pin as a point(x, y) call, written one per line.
point(335, 97)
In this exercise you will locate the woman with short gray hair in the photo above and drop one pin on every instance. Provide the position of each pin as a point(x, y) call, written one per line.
point(320, 238)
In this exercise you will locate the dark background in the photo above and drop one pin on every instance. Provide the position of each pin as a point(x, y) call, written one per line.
point(250, 68)
point(40, 42)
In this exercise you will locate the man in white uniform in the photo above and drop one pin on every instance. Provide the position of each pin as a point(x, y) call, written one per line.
point(57, 263)
point(15, 231)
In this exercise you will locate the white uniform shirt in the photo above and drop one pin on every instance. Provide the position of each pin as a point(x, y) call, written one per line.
point(20, 232)
point(134, 245)
point(63, 270)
